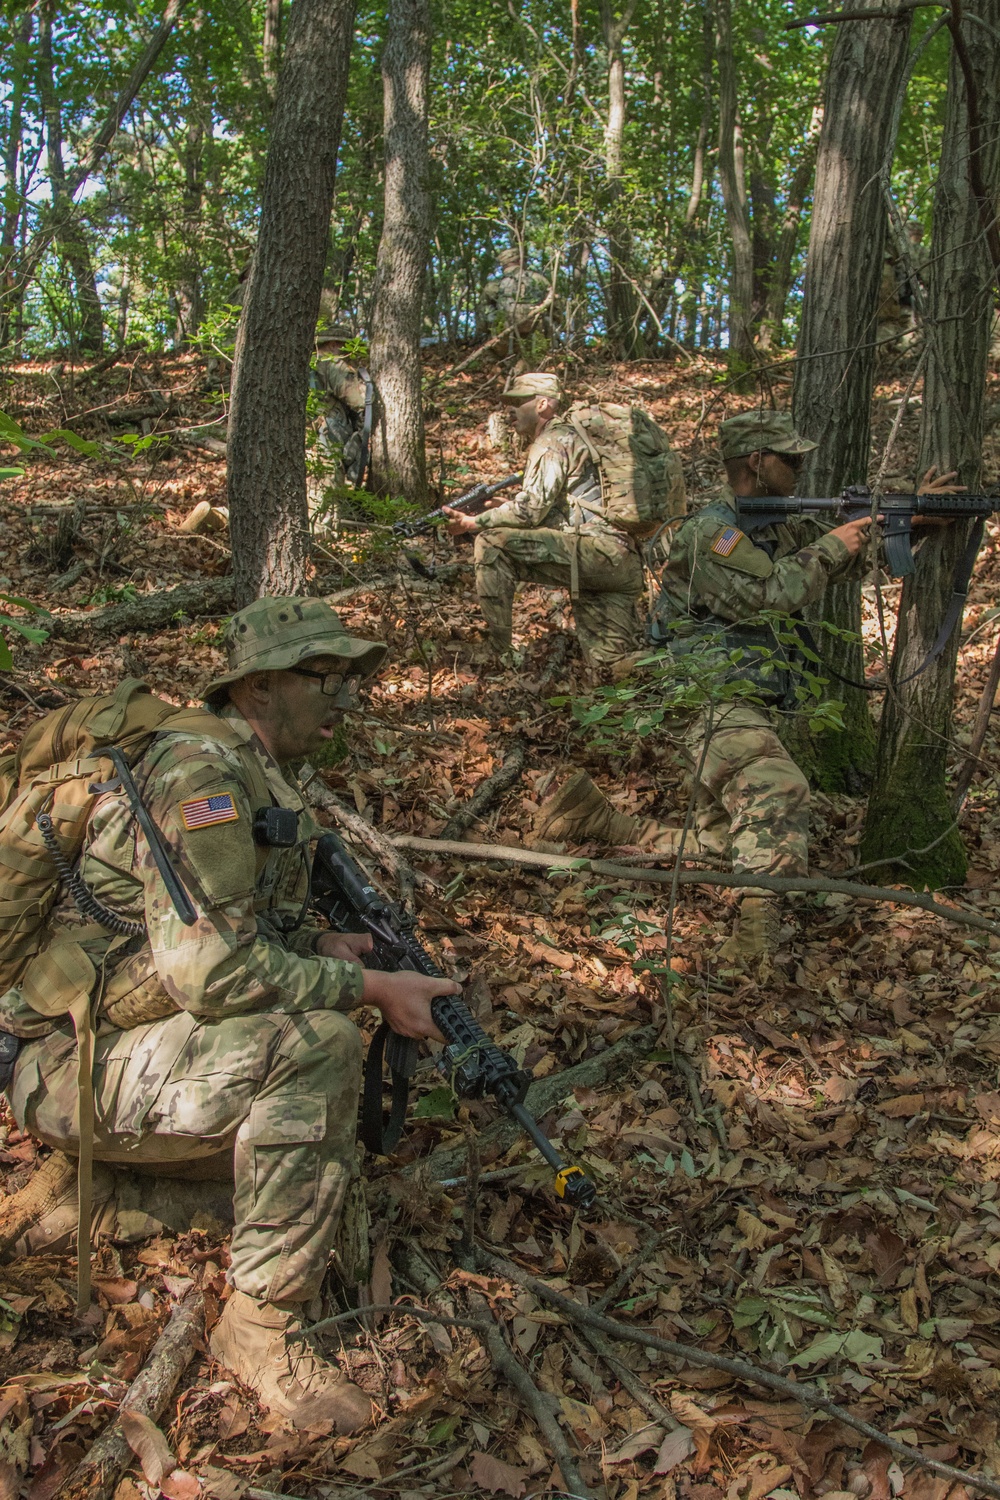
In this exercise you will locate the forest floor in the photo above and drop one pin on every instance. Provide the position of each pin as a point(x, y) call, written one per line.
point(812, 1183)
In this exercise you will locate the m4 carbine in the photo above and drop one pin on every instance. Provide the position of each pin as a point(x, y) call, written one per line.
point(473, 1064)
point(897, 512)
point(473, 503)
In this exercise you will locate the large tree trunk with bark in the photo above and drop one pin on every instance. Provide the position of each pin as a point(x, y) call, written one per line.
point(87, 333)
point(835, 370)
point(398, 462)
point(268, 520)
point(914, 736)
point(732, 177)
point(624, 335)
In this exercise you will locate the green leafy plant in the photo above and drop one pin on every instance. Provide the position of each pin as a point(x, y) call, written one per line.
point(107, 593)
point(672, 684)
point(10, 622)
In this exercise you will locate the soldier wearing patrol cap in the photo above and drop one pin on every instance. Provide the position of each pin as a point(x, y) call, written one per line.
point(229, 1036)
point(752, 800)
point(546, 535)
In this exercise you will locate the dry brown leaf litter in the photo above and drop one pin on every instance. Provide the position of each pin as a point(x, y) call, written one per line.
point(835, 1205)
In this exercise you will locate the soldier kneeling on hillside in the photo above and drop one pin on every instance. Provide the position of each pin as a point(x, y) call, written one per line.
point(227, 1033)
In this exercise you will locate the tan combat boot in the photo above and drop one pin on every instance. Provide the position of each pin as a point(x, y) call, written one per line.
point(758, 931)
point(580, 813)
point(265, 1347)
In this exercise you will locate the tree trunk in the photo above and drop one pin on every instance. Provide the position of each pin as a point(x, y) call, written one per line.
point(732, 177)
point(190, 302)
point(624, 336)
point(398, 462)
point(267, 424)
point(779, 281)
point(916, 722)
point(70, 238)
point(272, 45)
point(835, 370)
point(12, 201)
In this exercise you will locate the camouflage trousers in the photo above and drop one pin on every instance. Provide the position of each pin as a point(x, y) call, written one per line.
point(610, 580)
point(751, 799)
point(280, 1091)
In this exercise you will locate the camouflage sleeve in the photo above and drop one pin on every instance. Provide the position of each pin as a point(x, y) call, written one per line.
point(738, 581)
point(228, 962)
point(546, 475)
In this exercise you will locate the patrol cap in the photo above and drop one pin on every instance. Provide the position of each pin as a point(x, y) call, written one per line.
point(537, 383)
point(274, 634)
point(332, 333)
point(753, 431)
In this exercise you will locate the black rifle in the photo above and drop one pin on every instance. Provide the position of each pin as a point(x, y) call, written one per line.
point(473, 1064)
point(472, 503)
point(897, 510)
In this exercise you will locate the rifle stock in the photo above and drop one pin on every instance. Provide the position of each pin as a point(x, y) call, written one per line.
point(471, 1062)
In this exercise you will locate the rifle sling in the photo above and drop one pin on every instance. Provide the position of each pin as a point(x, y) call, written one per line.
point(381, 1136)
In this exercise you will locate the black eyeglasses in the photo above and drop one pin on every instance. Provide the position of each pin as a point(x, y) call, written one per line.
point(793, 460)
point(332, 684)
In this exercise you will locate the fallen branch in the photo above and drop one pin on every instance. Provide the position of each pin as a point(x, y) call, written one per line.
point(102, 365)
point(401, 875)
point(544, 1094)
point(805, 1395)
point(96, 1476)
point(782, 884)
point(540, 1404)
point(212, 596)
point(489, 791)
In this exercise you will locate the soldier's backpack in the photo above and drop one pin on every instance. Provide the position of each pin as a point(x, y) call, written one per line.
point(57, 770)
point(642, 482)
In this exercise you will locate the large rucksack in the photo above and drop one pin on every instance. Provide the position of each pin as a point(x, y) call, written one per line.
point(57, 770)
point(642, 482)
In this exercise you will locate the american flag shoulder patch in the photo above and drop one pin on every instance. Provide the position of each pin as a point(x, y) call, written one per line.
point(202, 812)
point(726, 540)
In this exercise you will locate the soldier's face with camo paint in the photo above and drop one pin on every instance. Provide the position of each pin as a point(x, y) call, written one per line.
point(290, 713)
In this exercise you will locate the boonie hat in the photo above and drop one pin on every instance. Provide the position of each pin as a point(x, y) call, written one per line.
point(536, 383)
point(332, 333)
point(509, 258)
point(274, 634)
point(753, 431)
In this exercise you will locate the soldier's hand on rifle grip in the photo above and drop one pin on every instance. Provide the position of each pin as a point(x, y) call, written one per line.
point(350, 946)
point(458, 521)
point(404, 998)
point(853, 534)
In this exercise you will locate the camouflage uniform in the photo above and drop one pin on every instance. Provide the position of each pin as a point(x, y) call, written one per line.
point(340, 430)
point(540, 536)
point(751, 797)
point(253, 1053)
point(511, 299)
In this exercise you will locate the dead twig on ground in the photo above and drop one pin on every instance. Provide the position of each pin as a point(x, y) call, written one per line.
point(539, 1404)
point(96, 1476)
point(489, 791)
point(403, 877)
point(792, 1390)
point(807, 1396)
point(785, 886)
